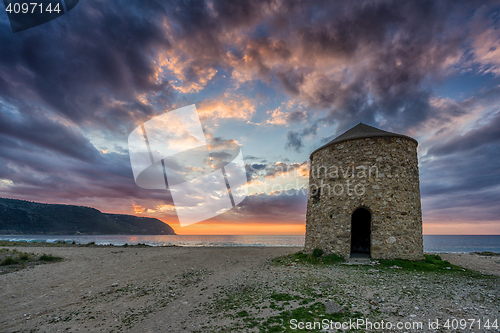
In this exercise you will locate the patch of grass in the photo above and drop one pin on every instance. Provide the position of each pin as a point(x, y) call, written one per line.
point(317, 258)
point(332, 259)
point(242, 314)
point(306, 301)
point(283, 297)
point(9, 261)
point(14, 260)
point(313, 313)
point(317, 253)
point(265, 310)
point(70, 244)
point(37, 244)
point(432, 263)
point(487, 253)
point(49, 257)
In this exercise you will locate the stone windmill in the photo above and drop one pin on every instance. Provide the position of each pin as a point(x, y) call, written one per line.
point(364, 196)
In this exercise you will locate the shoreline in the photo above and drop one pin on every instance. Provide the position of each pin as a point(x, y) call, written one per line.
point(61, 243)
point(432, 243)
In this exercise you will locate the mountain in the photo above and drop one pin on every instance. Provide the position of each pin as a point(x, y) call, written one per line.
point(33, 218)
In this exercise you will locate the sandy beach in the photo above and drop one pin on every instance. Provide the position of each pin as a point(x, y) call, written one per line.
point(232, 289)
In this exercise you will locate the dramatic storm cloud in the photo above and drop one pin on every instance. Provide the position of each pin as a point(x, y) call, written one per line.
point(278, 78)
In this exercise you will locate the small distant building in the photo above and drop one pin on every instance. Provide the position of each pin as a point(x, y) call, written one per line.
point(364, 196)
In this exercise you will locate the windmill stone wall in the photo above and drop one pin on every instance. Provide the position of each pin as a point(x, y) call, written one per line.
point(371, 169)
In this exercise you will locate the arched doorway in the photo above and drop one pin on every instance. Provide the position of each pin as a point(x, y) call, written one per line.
point(360, 231)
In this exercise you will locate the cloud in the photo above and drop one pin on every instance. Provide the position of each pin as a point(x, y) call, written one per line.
point(366, 59)
point(488, 134)
point(460, 179)
point(226, 106)
point(277, 170)
point(189, 77)
point(468, 171)
point(37, 129)
point(294, 141)
point(361, 60)
point(486, 42)
point(295, 138)
point(278, 117)
point(281, 207)
point(49, 162)
point(85, 69)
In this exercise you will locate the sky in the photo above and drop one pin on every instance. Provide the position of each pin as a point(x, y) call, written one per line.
point(278, 78)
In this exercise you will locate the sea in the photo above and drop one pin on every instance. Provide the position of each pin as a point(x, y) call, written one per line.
point(432, 243)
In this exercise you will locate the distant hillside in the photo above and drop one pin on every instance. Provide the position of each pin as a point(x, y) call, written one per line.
point(32, 218)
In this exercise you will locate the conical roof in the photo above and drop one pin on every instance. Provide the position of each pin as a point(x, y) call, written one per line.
point(361, 131)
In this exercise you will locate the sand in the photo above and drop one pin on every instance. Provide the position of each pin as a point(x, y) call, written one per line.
point(180, 289)
point(483, 264)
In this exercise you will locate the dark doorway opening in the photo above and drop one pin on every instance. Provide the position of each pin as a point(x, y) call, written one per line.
point(360, 231)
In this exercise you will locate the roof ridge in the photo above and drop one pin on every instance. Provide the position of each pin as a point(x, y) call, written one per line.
point(361, 131)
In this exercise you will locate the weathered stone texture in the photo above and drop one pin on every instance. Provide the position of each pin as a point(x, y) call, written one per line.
point(391, 194)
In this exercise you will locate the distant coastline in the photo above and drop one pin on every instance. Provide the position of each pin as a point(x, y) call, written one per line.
point(20, 217)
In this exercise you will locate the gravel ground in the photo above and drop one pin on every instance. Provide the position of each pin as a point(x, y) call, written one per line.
point(180, 289)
